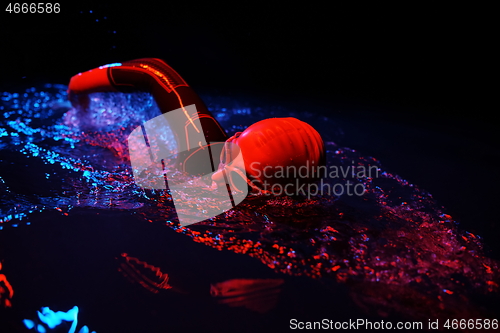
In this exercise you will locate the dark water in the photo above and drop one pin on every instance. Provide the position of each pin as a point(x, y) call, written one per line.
point(77, 230)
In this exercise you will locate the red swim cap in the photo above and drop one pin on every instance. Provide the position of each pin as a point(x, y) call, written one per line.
point(275, 151)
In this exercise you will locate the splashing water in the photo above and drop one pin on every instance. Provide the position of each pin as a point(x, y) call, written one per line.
point(393, 240)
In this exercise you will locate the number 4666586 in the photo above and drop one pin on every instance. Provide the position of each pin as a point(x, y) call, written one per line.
point(33, 8)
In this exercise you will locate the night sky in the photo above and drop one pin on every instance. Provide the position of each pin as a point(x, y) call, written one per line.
point(431, 67)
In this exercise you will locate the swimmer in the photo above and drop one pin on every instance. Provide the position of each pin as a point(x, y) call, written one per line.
point(265, 145)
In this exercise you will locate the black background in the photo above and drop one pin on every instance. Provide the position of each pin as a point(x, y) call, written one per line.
point(436, 59)
point(412, 85)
